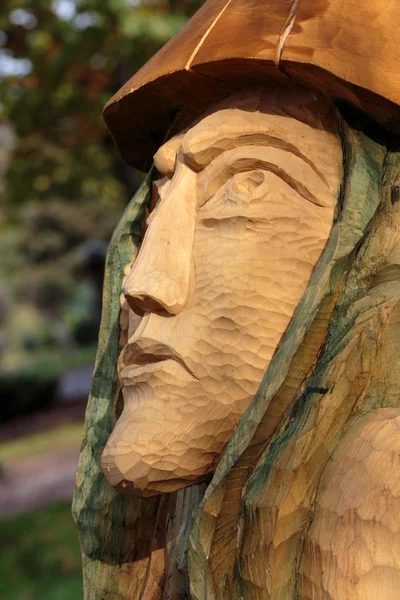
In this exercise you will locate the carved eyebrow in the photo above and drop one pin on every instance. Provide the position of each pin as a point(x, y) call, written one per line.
point(199, 159)
point(289, 167)
point(165, 157)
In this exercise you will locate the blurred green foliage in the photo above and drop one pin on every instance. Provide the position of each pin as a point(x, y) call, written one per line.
point(62, 184)
point(40, 558)
point(76, 53)
point(62, 191)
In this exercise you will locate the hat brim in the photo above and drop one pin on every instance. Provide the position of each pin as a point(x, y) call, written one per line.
point(233, 43)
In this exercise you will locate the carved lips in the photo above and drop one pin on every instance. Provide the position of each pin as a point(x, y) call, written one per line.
point(144, 354)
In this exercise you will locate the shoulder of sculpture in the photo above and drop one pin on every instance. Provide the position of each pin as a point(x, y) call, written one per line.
point(356, 520)
point(363, 475)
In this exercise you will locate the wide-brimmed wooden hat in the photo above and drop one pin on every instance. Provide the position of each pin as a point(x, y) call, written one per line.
point(348, 49)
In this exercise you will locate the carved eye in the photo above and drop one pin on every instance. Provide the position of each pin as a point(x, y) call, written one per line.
point(246, 183)
point(242, 195)
point(242, 188)
point(156, 196)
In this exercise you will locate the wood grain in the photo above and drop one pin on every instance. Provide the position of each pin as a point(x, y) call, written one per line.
point(111, 570)
point(352, 547)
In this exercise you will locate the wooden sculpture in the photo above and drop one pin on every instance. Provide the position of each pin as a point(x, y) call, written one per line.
point(243, 428)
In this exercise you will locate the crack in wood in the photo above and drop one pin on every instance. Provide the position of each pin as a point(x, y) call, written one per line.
point(205, 36)
point(285, 33)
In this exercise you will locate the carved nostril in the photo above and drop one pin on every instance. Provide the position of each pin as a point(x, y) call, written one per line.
point(142, 303)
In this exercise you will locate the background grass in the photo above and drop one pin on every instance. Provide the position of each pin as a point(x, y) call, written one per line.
point(40, 556)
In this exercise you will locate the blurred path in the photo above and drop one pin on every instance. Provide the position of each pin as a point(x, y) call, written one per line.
point(43, 421)
point(39, 452)
point(29, 483)
point(69, 405)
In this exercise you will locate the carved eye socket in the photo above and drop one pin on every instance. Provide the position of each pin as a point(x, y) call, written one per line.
point(243, 185)
point(238, 193)
point(158, 187)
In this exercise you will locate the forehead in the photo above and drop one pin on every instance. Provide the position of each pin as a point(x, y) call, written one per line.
point(291, 118)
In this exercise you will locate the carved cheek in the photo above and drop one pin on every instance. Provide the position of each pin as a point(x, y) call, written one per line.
point(253, 260)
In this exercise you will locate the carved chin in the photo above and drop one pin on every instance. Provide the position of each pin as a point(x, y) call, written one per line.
point(154, 488)
point(144, 481)
point(170, 434)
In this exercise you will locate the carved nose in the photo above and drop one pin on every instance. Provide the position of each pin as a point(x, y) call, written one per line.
point(153, 292)
point(160, 276)
point(141, 303)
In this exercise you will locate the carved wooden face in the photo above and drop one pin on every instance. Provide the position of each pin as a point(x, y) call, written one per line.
point(244, 213)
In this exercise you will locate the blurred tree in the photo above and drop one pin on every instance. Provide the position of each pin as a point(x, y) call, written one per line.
point(64, 185)
point(71, 56)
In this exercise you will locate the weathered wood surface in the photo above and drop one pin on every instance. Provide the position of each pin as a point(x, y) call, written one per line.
point(347, 49)
point(304, 502)
point(250, 536)
point(116, 533)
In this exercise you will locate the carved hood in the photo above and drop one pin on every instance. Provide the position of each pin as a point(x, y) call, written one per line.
point(346, 48)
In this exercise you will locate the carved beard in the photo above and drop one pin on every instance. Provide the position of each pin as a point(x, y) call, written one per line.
point(188, 379)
